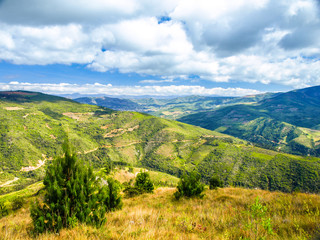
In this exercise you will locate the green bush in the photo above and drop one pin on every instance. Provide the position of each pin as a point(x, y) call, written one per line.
point(215, 182)
point(130, 170)
point(17, 203)
point(131, 191)
point(144, 182)
point(113, 200)
point(3, 210)
point(73, 194)
point(190, 186)
point(259, 222)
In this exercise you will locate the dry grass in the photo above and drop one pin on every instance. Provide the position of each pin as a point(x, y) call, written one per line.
point(221, 214)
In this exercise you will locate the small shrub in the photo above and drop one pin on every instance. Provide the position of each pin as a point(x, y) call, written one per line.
point(17, 203)
point(215, 182)
point(113, 200)
point(131, 191)
point(259, 224)
point(190, 186)
point(3, 210)
point(144, 182)
point(107, 168)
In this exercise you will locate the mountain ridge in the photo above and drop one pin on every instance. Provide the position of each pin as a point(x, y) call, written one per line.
point(297, 110)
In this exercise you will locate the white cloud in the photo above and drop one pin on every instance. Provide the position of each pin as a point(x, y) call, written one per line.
point(108, 89)
point(47, 45)
point(267, 41)
point(156, 81)
point(93, 12)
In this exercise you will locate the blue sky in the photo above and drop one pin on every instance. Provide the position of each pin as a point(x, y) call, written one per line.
point(169, 47)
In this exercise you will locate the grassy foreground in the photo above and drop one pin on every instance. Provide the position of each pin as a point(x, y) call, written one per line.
point(222, 214)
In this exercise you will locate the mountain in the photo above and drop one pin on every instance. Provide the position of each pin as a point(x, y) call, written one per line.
point(288, 121)
point(113, 103)
point(34, 125)
point(171, 108)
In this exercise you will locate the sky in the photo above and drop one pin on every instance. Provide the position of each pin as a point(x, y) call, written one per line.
point(159, 48)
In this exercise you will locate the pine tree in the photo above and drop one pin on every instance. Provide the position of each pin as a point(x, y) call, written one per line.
point(3, 210)
point(73, 194)
point(190, 186)
point(144, 182)
point(113, 200)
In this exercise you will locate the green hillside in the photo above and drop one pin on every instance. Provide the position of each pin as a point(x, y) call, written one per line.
point(287, 122)
point(34, 125)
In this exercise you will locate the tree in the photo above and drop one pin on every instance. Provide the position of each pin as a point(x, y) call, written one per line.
point(3, 210)
point(144, 182)
point(113, 200)
point(73, 194)
point(215, 182)
point(189, 186)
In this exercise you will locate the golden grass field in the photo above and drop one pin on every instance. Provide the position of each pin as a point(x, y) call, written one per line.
point(222, 214)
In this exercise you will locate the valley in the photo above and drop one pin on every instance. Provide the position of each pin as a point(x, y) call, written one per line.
point(287, 122)
point(173, 107)
point(34, 126)
point(170, 120)
point(284, 122)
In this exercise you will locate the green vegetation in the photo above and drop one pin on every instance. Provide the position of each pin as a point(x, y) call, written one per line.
point(258, 223)
point(73, 195)
point(190, 185)
point(3, 210)
point(226, 213)
point(287, 122)
point(122, 144)
point(113, 199)
point(33, 132)
point(215, 183)
point(144, 182)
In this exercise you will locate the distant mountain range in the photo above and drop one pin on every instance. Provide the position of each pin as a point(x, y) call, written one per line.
point(34, 125)
point(288, 121)
point(170, 108)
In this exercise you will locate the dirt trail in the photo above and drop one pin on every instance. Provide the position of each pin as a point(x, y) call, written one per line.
point(119, 132)
point(13, 108)
point(29, 114)
point(78, 116)
point(9, 182)
point(31, 168)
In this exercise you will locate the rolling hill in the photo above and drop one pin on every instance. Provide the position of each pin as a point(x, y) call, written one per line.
point(34, 125)
point(288, 122)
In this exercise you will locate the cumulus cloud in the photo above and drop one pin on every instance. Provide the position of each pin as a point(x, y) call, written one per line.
point(108, 89)
point(267, 41)
point(156, 81)
point(60, 12)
